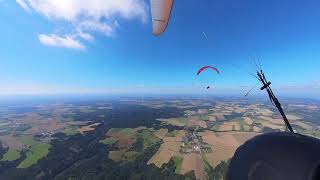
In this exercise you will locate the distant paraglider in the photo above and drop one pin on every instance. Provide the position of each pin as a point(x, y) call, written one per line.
point(207, 68)
point(160, 11)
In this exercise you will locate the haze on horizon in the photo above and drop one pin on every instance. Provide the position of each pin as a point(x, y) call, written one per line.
point(106, 47)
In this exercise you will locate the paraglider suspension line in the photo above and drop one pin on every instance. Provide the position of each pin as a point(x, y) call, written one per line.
point(273, 98)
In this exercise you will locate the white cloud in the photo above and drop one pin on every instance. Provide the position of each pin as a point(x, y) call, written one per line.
point(58, 41)
point(86, 16)
point(72, 10)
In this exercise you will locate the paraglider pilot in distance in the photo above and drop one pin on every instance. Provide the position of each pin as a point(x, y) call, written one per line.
point(207, 67)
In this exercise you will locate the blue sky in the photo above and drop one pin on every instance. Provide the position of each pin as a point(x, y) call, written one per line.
point(55, 47)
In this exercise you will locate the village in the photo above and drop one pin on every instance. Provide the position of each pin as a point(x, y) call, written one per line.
point(192, 142)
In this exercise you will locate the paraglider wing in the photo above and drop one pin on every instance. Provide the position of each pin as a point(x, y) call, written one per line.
point(160, 11)
point(207, 67)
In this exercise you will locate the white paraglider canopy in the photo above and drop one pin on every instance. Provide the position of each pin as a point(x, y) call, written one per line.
point(160, 11)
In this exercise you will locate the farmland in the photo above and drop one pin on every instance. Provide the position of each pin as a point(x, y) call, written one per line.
point(11, 155)
point(36, 153)
point(176, 138)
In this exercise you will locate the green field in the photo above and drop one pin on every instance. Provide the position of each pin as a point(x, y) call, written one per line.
point(36, 153)
point(115, 155)
point(215, 127)
point(314, 133)
point(178, 163)
point(109, 141)
point(128, 132)
point(114, 130)
point(129, 156)
point(71, 132)
point(28, 140)
point(148, 138)
point(204, 117)
point(11, 155)
point(244, 126)
point(172, 133)
point(207, 167)
point(119, 156)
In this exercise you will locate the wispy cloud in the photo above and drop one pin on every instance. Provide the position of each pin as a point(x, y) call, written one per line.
point(58, 41)
point(24, 5)
point(85, 17)
point(106, 29)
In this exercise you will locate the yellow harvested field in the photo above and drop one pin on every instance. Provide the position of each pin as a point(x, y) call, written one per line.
point(253, 106)
point(219, 116)
point(166, 151)
point(242, 137)
point(161, 133)
point(228, 108)
point(180, 134)
point(292, 117)
point(229, 126)
point(224, 144)
point(272, 120)
point(248, 120)
point(212, 118)
point(11, 142)
point(270, 125)
point(88, 128)
point(222, 137)
point(216, 108)
point(172, 139)
point(303, 125)
point(264, 112)
point(193, 161)
point(206, 133)
point(50, 124)
point(221, 152)
point(240, 110)
point(196, 122)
